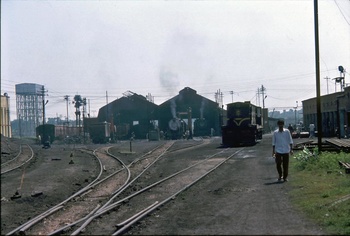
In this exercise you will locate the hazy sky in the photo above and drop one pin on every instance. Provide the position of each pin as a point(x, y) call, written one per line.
point(160, 47)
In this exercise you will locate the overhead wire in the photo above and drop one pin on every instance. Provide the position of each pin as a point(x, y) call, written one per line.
point(341, 12)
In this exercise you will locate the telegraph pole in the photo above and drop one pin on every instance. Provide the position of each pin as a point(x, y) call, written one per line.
point(66, 98)
point(44, 103)
point(318, 86)
point(263, 89)
point(327, 78)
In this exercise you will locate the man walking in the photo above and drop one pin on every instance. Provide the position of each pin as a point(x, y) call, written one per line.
point(282, 144)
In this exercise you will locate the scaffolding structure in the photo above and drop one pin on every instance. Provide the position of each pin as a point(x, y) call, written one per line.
point(29, 99)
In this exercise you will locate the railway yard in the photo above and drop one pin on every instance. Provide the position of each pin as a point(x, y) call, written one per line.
point(145, 187)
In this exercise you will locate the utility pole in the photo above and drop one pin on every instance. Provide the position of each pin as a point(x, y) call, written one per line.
point(84, 108)
point(318, 85)
point(89, 108)
point(44, 103)
point(263, 89)
point(66, 98)
point(107, 106)
point(295, 114)
point(327, 78)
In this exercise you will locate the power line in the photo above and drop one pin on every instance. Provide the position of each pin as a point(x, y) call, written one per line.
point(341, 12)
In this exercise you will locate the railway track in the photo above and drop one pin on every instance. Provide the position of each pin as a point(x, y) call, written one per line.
point(24, 156)
point(113, 175)
point(116, 183)
point(82, 202)
point(329, 144)
point(150, 189)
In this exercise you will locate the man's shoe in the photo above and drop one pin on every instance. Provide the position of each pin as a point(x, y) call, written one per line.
point(279, 179)
point(285, 180)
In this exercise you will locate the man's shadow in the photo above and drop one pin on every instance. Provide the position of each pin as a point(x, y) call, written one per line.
point(274, 182)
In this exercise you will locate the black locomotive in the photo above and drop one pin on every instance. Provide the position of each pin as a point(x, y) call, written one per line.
point(201, 127)
point(176, 129)
point(244, 124)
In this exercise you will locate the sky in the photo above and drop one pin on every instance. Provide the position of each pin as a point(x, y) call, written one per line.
point(102, 49)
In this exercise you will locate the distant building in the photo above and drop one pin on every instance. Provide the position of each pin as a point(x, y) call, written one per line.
point(130, 114)
point(203, 117)
point(29, 98)
point(5, 116)
point(335, 110)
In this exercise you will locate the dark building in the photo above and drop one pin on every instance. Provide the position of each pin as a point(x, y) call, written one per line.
point(132, 113)
point(335, 110)
point(204, 115)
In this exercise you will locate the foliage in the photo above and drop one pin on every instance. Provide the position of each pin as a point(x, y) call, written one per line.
point(322, 189)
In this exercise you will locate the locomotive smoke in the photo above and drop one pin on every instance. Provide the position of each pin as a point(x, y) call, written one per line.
point(201, 109)
point(173, 107)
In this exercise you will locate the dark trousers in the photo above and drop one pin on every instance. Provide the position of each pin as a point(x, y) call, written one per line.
point(282, 160)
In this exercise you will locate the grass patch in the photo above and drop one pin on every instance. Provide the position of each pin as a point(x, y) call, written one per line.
point(321, 189)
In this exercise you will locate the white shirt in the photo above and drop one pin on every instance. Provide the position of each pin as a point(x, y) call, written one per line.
point(282, 141)
point(312, 127)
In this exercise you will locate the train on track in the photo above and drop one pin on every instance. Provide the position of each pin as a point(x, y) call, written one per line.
point(244, 124)
point(176, 129)
point(201, 128)
point(50, 133)
point(100, 132)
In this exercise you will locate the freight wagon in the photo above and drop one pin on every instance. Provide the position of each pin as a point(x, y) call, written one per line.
point(100, 132)
point(244, 124)
point(45, 133)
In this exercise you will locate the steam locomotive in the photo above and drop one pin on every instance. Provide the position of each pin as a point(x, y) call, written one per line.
point(176, 128)
point(201, 127)
point(244, 124)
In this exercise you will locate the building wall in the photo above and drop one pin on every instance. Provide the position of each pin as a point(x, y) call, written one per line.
point(133, 112)
point(335, 110)
point(5, 116)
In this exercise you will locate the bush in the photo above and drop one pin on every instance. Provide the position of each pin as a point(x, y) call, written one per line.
point(308, 160)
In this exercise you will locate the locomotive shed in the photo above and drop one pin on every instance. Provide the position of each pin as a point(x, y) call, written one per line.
point(239, 197)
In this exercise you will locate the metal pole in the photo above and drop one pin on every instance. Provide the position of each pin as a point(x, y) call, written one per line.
point(318, 84)
point(66, 98)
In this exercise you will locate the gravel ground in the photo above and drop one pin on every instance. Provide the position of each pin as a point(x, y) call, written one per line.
point(241, 197)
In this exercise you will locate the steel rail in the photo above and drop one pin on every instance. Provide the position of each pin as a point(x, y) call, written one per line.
point(76, 222)
point(136, 215)
point(27, 226)
point(93, 185)
point(145, 155)
point(116, 193)
point(151, 209)
point(102, 210)
point(39, 217)
point(19, 153)
point(31, 157)
point(154, 184)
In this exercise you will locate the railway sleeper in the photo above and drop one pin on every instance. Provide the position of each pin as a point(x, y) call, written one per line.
point(346, 166)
